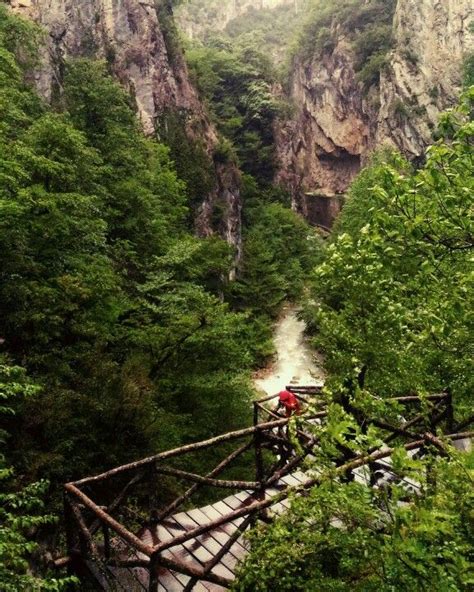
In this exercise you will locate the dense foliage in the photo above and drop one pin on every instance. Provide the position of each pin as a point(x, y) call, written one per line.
point(236, 65)
point(280, 249)
point(391, 307)
point(106, 297)
point(121, 316)
point(236, 83)
point(398, 272)
point(348, 537)
point(21, 506)
point(236, 75)
point(269, 28)
point(135, 341)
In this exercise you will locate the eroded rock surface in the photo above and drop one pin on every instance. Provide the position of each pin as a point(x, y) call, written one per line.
point(142, 55)
point(337, 123)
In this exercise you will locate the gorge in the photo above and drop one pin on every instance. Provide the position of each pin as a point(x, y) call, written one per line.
point(195, 197)
point(339, 118)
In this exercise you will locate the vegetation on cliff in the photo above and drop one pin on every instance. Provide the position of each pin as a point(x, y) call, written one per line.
point(367, 25)
point(110, 305)
point(391, 309)
point(120, 334)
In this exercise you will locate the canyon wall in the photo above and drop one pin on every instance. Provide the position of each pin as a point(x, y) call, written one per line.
point(137, 39)
point(338, 122)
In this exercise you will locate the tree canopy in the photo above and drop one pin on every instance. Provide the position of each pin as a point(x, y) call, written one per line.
point(390, 307)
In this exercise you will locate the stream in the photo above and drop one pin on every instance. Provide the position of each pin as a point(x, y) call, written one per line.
point(295, 362)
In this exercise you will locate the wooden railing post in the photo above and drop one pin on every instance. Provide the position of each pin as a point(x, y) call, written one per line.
point(153, 570)
point(259, 467)
point(255, 414)
point(153, 498)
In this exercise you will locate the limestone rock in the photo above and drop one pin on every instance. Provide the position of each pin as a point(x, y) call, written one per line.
point(337, 125)
point(130, 36)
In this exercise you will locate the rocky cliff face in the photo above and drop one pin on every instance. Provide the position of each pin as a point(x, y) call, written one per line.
point(338, 123)
point(129, 34)
point(197, 17)
point(432, 38)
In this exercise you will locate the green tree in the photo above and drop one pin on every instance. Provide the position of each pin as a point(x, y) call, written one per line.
point(236, 83)
point(343, 537)
point(401, 279)
point(391, 305)
point(22, 508)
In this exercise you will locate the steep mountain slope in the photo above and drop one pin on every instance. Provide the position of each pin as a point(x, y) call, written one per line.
point(200, 17)
point(138, 41)
point(355, 89)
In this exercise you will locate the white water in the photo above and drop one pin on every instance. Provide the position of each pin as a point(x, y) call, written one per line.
point(295, 363)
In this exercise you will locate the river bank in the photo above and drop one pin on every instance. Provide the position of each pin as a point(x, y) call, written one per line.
point(295, 363)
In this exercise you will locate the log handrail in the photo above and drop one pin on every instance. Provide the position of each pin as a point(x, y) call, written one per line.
point(123, 533)
point(236, 435)
point(149, 551)
point(187, 494)
point(225, 484)
point(261, 434)
point(293, 490)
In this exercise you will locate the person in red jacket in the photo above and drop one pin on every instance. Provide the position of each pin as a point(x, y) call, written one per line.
point(289, 402)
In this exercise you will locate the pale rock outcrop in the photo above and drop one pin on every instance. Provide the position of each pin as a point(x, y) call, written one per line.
point(431, 39)
point(337, 124)
point(129, 35)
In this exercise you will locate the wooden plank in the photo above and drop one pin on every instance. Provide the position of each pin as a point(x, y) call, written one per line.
point(205, 545)
point(224, 509)
point(195, 555)
point(290, 480)
point(271, 492)
point(219, 534)
point(236, 502)
point(277, 509)
point(205, 587)
point(221, 510)
point(182, 578)
point(170, 580)
point(238, 548)
point(300, 476)
point(232, 504)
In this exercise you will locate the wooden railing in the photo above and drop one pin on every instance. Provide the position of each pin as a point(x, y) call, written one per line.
point(103, 513)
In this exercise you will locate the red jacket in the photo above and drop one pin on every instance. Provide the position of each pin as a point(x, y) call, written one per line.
point(289, 402)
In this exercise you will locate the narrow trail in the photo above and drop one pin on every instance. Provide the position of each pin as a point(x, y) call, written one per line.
point(295, 362)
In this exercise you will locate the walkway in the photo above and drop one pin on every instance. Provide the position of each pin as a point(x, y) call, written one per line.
point(127, 528)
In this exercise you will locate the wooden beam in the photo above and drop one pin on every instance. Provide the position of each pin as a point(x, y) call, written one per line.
point(76, 512)
point(194, 572)
point(187, 494)
point(237, 435)
point(399, 431)
point(417, 398)
point(117, 501)
point(420, 417)
point(226, 548)
point(133, 540)
point(261, 505)
point(437, 443)
point(226, 484)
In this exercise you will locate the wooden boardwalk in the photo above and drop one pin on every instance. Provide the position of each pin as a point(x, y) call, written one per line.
point(198, 551)
point(183, 547)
